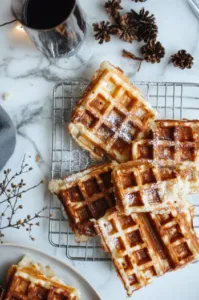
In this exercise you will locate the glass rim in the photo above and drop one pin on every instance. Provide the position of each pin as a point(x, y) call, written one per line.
point(47, 29)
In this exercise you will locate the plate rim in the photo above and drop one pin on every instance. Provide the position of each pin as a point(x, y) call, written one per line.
point(55, 259)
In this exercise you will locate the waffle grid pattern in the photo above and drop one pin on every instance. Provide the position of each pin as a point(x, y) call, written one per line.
point(22, 289)
point(129, 248)
point(26, 281)
point(172, 100)
point(111, 114)
point(139, 247)
point(86, 195)
point(178, 235)
point(175, 141)
point(142, 187)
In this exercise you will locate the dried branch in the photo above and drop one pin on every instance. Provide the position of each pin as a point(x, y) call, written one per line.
point(12, 192)
point(130, 55)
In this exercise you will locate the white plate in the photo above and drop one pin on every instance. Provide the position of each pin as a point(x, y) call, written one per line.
point(11, 254)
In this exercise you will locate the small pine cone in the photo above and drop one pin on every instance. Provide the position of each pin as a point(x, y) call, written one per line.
point(144, 24)
point(102, 30)
point(124, 32)
point(123, 20)
point(153, 52)
point(112, 7)
point(182, 60)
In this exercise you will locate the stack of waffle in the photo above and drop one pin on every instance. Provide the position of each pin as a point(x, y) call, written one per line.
point(137, 205)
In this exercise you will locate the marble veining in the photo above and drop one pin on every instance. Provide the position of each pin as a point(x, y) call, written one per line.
point(28, 77)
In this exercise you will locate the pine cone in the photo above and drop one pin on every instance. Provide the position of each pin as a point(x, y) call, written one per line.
point(182, 60)
point(144, 24)
point(124, 20)
point(139, 0)
point(153, 51)
point(112, 7)
point(102, 30)
point(124, 32)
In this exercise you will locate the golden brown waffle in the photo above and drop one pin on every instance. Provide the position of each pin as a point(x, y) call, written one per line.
point(110, 115)
point(142, 186)
point(144, 246)
point(86, 195)
point(32, 281)
point(175, 141)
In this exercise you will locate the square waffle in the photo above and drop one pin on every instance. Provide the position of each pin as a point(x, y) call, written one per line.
point(84, 196)
point(170, 140)
point(142, 186)
point(28, 280)
point(110, 115)
point(145, 246)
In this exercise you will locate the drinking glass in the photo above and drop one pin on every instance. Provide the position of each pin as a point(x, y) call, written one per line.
point(195, 6)
point(67, 44)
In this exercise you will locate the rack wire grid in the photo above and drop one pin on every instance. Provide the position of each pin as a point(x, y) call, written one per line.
point(172, 100)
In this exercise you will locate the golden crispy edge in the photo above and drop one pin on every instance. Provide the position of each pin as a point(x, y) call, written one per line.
point(79, 237)
point(72, 179)
point(86, 93)
point(93, 82)
point(150, 240)
point(38, 274)
point(189, 226)
point(10, 274)
point(155, 241)
point(177, 122)
point(107, 249)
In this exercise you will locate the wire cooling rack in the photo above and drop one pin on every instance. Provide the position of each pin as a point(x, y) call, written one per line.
point(172, 100)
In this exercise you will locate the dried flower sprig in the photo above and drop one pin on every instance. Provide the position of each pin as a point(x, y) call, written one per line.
point(10, 194)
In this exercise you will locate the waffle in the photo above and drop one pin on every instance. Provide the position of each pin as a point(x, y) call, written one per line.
point(146, 245)
point(28, 280)
point(142, 186)
point(110, 115)
point(85, 195)
point(175, 141)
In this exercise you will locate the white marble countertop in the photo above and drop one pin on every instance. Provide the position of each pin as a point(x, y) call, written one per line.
point(28, 78)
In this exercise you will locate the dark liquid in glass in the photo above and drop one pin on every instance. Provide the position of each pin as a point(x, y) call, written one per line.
point(45, 14)
point(59, 25)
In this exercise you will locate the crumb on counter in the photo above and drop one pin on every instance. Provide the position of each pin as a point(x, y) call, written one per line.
point(37, 158)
